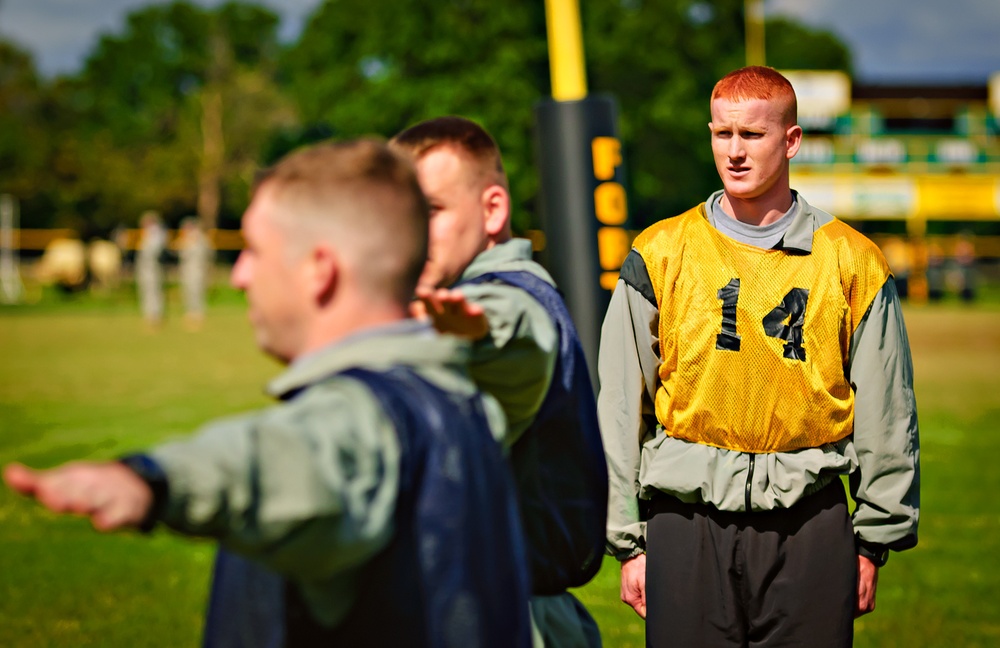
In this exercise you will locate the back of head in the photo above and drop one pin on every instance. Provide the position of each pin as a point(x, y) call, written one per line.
point(460, 133)
point(364, 200)
point(759, 82)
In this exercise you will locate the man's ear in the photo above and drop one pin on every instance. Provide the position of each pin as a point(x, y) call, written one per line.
point(496, 210)
point(793, 139)
point(324, 271)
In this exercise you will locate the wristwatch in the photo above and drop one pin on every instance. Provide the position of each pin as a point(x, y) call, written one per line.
point(151, 473)
point(878, 554)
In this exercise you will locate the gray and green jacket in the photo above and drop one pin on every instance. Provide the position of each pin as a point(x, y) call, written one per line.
point(308, 487)
point(556, 457)
point(516, 360)
point(882, 455)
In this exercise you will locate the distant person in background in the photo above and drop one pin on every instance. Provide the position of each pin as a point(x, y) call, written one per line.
point(196, 257)
point(372, 506)
point(965, 260)
point(149, 268)
point(481, 284)
point(753, 354)
point(936, 272)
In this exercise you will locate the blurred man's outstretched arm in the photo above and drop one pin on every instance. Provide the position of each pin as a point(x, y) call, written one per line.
point(112, 495)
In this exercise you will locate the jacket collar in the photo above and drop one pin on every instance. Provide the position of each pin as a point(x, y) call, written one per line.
point(805, 222)
point(409, 342)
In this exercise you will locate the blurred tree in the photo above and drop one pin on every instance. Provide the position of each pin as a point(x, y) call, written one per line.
point(24, 143)
point(660, 59)
point(177, 110)
point(791, 46)
point(171, 114)
point(363, 68)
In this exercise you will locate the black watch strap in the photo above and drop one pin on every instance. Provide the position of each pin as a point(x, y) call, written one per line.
point(876, 553)
point(151, 473)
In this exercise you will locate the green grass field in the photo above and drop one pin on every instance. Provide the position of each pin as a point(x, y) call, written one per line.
point(83, 379)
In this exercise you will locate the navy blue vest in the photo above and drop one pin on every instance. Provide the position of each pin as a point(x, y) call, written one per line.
point(558, 463)
point(454, 573)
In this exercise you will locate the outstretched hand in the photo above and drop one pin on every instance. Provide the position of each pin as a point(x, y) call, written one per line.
point(110, 494)
point(451, 313)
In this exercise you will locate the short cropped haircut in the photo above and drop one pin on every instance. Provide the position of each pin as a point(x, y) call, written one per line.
point(759, 82)
point(463, 134)
point(362, 197)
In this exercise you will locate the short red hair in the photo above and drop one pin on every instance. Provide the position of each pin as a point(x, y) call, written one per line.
point(759, 82)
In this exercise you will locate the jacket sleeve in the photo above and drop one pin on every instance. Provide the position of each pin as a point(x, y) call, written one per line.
point(628, 365)
point(886, 486)
point(285, 486)
point(516, 361)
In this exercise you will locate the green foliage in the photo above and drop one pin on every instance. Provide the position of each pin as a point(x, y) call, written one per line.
point(23, 142)
point(364, 70)
point(135, 128)
point(128, 132)
point(791, 46)
point(660, 59)
point(134, 84)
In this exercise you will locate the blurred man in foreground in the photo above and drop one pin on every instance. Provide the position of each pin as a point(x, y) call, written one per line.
point(753, 352)
point(480, 283)
point(372, 505)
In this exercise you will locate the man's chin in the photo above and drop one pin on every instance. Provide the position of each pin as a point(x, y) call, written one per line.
point(263, 343)
point(280, 356)
point(743, 192)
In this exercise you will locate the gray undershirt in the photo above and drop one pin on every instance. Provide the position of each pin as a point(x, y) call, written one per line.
point(762, 236)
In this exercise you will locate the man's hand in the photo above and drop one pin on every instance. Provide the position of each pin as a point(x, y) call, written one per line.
point(634, 584)
point(867, 581)
point(451, 313)
point(111, 495)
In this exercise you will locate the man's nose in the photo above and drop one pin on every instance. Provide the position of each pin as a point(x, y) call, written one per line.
point(736, 151)
point(237, 278)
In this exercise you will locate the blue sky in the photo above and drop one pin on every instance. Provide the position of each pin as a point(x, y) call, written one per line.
point(892, 40)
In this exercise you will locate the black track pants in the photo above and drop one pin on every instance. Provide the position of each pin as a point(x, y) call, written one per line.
point(779, 578)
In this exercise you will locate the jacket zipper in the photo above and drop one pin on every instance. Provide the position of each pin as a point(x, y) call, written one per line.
point(749, 481)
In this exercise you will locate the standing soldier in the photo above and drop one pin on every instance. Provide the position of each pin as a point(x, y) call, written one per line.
point(753, 353)
point(965, 259)
point(480, 283)
point(149, 270)
point(195, 264)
